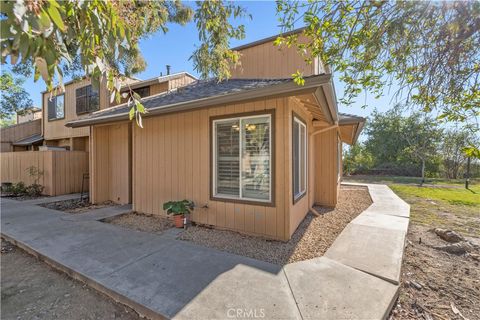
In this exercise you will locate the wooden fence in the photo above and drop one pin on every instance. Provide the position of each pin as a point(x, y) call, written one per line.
point(62, 170)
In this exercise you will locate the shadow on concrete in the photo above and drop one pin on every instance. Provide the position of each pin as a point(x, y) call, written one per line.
point(169, 277)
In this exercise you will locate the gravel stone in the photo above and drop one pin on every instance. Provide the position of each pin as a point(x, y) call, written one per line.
point(142, 222)
point(77, 205)
point(311, 239)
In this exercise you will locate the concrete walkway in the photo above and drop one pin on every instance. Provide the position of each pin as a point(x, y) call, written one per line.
point(162, 277)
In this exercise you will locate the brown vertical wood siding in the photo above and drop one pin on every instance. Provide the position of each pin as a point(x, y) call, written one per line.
point(111, 163)
point(269, 61)
point(171, 161)
point(326, 174)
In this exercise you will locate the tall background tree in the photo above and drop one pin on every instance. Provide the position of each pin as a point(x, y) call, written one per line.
point(13, 97)
point(454, 158)
point(422, 136)
point(101, 38)
point(429, 49)
point(411, 145)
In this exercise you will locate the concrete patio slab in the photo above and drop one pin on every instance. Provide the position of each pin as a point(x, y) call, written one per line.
point(325, 289)
point(180, 280)
point(377, 251)
point(379, 220)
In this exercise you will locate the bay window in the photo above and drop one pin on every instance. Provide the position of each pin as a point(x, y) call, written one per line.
point(242, 158)
point(299, 154)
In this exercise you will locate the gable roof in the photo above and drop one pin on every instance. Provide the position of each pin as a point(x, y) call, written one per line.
point(206, 93)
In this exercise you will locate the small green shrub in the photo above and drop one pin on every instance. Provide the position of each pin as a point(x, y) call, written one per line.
point(178, 207)
point(34, 190)
point(18, 189)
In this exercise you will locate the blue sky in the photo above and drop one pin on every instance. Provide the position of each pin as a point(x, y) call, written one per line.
point(176, 46)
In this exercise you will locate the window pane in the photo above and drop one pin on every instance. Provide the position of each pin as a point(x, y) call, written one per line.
point(93, 99)
point(51, 108)
point(299, 148)
point(59, 106)
point(94, 103)
point(143, 92)
point(303, 161)
point(81, 100)
point(296, 158)
point(81, 91)
point(256, 158)
point(227, 158)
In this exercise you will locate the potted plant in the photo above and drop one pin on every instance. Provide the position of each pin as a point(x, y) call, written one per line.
point(178, 209)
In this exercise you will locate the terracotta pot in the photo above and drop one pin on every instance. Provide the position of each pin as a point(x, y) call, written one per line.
point(178, 219)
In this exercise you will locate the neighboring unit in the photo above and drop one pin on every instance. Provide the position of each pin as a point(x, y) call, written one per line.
point(80, 98)
point(254, 153)
point(61, 153)
point(22, 136)
point(29, 114)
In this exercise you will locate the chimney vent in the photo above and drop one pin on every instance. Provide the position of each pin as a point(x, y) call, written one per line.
point(168, 69)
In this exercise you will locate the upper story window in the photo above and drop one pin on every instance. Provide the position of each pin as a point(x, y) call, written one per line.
point(143, 91)
point(242, 158)
point(299, 154)
point(56, 107)
point(87, 99)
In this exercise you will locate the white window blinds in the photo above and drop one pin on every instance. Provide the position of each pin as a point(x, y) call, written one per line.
point(242, 158)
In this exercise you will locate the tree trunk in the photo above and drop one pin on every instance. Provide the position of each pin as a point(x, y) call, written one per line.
point(423, 171)
point(467, 175)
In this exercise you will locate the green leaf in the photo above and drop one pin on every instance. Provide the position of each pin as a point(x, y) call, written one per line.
point(56, 17)
point(131, 113)
point(42, 68)
point(140, 107)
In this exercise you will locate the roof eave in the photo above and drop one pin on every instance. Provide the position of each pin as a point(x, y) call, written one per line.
point(161, 79)
point(358, 131)
point(287, 88)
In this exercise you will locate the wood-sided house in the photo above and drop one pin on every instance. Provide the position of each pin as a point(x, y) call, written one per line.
point(254, 152)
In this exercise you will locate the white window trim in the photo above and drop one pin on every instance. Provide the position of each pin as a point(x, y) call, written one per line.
point(214, 159)
point(302, 192)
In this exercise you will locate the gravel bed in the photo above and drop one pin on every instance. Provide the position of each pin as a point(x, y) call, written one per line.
point(22, 198)
point(77, 205)
point(312, 238)
point(142, 222)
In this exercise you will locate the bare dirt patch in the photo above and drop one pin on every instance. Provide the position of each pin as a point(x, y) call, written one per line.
point(312, 238)
point(33, 290)
point(77, 205)
point(142, 222)
point(436, 284)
